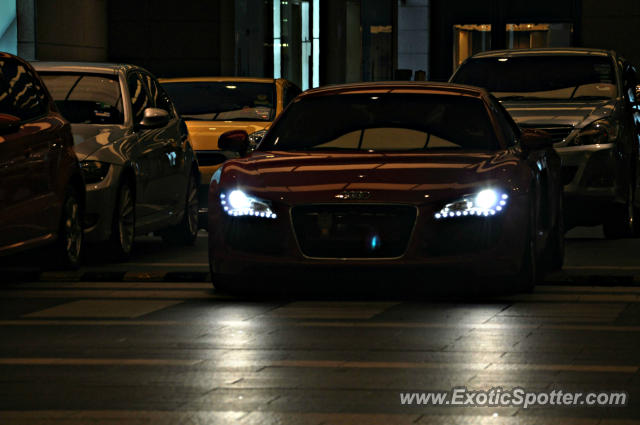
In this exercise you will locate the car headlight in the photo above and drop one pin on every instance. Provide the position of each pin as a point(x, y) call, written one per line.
point(94, 171)
point(237, 203)
point(487, 202)
point(255, 138)
point(598, 132)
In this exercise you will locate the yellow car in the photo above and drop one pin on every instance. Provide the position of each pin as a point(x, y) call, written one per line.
point(211, 106)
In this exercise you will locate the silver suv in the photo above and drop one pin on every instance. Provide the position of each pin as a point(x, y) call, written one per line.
point(587, 100)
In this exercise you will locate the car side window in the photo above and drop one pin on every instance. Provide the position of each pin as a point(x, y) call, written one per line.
point(139, 96)
point(290, 93)
point(507, 125)
point(21, 94)
point(159, 97)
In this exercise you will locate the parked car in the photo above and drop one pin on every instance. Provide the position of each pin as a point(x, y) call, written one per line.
point(42, 193)
point(588, 100)
point(139, 167)
point(213, 105)
point(407, 175)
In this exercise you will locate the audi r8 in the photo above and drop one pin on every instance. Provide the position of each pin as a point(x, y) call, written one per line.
point(420, 176)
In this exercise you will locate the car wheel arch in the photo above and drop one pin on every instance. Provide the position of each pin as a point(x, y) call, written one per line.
point(128, 175)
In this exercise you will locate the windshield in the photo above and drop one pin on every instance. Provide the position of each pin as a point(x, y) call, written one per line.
point(223, 101)
point(383, 122)
point(552, 77)
point(86, 98)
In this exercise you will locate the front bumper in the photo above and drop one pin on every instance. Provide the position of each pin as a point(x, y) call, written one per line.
point(100, 205)
point(255, 246)
point(589, 176)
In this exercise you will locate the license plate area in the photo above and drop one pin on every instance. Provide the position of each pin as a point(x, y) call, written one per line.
point(353, 231)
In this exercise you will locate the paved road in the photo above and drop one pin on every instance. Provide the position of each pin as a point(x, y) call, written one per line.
point(177, 353)
point(76, 352)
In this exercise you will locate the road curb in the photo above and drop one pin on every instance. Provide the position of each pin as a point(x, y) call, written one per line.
point(9, 276)
point(592, 280)
point(33, 275)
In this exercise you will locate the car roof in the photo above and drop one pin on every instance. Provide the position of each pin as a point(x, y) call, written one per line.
point(563, 51)
point(403, 86)
point(216, 79)
point(85, 67)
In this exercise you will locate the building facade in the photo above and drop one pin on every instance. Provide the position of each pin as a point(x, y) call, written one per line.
point(311, 42)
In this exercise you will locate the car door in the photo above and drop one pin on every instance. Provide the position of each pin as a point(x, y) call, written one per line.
point(26, 157)
point(148, 155)
point(175, 169)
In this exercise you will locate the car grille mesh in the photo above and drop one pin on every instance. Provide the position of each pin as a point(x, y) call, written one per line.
point(353, 231)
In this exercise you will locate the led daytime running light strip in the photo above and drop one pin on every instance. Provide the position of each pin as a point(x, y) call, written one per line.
point(469, 209)
point(245, 206)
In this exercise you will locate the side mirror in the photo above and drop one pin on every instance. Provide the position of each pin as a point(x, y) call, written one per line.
point(9, 123)
point(154, 118)
point(532, 139)
point(234, 141)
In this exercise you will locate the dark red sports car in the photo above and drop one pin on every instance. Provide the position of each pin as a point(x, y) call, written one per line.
point(381, 175)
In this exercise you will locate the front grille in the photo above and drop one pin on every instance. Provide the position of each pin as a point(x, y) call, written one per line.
point(209, 158)
point(353, 231)
point(557, 133)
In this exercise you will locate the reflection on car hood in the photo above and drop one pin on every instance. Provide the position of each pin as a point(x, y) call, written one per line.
point(558, 113)
point(303, 177)
point(88, 138)
point(204, 134)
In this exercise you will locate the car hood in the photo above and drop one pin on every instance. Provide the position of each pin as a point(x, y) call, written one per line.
point(558, 113)
point(89, 138)
point(304, 177)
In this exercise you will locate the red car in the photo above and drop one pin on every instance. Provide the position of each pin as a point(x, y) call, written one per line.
point(388, 175)
point(41, 186)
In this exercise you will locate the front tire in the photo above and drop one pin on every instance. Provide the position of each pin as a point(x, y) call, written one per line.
point(620, 219)
point(555, 252)
point(124, 223)
point(185, 232)
point(526, 278)
point(68, 247)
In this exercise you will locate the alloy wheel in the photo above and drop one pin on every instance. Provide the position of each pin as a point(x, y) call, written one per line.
point(72, 229)
point(126, 219)
point(192, 206)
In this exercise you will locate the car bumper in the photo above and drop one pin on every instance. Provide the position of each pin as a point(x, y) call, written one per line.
point(100, 205)
point(432, 248)
point(589, 178)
